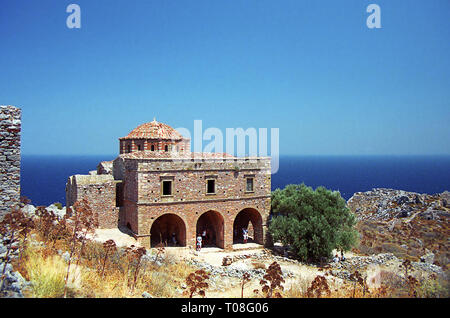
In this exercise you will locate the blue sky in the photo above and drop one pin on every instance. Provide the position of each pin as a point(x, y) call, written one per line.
point(311, 68)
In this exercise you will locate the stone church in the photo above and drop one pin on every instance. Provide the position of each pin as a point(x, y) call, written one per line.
point(166, 195)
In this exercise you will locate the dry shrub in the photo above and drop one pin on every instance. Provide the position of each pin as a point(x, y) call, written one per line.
point(272, 281)
point(319, 287)
point(134, 255)
point(413, 285)
point(245, 280)
point(258, 265)
point(110, 248)
point(83, 221)
point(358, 279)
point(197, 283)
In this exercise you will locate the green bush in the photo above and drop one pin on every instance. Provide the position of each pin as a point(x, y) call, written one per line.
point(58, 205)
point(312, 222)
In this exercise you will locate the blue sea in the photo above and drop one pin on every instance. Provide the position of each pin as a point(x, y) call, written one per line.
point(43, 178)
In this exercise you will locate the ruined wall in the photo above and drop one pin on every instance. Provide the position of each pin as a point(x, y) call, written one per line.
point(100, 192)
point(105, 167)
point(10, 127)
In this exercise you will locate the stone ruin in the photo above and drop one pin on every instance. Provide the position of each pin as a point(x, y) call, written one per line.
point(10, 128)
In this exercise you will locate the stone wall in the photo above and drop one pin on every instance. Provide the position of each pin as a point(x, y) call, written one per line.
point(100, 192)
point(105, 167)
point(10, 127)
point(190, 213)
point(190, 200)
point(143, 179)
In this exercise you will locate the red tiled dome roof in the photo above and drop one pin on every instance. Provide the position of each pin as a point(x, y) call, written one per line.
point(154, 130)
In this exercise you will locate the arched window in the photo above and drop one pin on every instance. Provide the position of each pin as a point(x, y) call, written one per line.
point(166, 148)
point(129, 148)
point(153, 148)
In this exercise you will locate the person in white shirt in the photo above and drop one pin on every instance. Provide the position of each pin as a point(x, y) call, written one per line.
point(199, 242)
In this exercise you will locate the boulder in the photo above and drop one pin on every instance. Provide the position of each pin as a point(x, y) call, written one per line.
point(58, 212)
point(29, 210)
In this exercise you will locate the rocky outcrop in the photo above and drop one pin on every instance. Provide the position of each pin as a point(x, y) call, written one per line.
point(407, 224)
point(10, 127)
point(382, 204)
point(30, 210)
point(361, 263)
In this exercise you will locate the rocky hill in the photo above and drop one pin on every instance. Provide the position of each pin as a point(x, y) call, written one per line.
point(409, 225)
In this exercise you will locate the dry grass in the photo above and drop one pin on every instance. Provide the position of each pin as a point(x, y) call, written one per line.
point(298, 288)
point(46, 270)
point(45, 273)
point(159, 281)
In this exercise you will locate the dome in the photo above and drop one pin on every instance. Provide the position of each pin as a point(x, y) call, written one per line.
point(154, 130)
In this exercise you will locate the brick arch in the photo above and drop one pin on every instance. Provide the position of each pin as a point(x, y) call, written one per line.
point(245, 218)
point(213, 222)
point(163, 228)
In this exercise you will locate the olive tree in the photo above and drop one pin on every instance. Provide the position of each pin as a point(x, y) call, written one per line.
point(312, 222)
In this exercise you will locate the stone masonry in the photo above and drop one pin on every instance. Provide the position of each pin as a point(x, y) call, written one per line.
point(190, 200)
point(10, 128)
point(100, 192)
point(169, 195)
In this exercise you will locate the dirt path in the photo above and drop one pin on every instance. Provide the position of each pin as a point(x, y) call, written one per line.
point(120, 237)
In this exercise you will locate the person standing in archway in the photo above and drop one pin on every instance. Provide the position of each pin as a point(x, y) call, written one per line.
point(174, 239)
point(204, 237)
point(199, 242)
point(245, 235)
